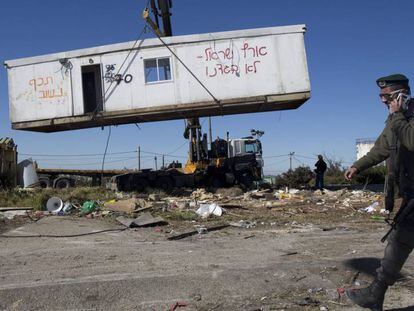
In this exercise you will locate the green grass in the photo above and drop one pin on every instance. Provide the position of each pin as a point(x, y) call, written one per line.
point(178, 215)
point(37, 198)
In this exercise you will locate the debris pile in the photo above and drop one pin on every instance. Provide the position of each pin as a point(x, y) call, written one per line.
point(231, 206)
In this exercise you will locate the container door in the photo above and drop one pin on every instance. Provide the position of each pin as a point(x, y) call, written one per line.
point(92, 88)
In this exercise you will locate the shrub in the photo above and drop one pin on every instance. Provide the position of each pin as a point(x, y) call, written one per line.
point(299, 177)
point(373, 175)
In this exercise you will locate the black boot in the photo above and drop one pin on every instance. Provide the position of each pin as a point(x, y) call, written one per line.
point(371, 297)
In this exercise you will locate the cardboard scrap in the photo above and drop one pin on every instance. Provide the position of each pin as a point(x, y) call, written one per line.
point(144, 220)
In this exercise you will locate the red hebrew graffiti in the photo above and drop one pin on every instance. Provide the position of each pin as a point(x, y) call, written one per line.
point(253, 51)
point(233, 60)
point(251, 68)
point(45, 88)
point(210, 54)
point(40, 82)
point(222, 69)
point(48, 94)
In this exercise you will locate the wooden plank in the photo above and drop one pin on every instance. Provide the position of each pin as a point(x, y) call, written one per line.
point(5, 209)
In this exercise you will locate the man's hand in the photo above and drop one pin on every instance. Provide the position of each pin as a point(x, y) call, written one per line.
point(350, 173)
point(395, 105)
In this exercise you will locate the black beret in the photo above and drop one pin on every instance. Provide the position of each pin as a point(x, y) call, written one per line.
point(395, 79)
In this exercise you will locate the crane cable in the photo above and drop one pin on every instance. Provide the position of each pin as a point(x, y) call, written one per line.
point(188, 69)
point(104, 155)
point(123, 63)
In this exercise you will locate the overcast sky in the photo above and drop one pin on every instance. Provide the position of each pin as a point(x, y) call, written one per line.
point(348, 43)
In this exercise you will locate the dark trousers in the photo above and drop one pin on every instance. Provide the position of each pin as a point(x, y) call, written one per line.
point(400, 244)
point(319, 181)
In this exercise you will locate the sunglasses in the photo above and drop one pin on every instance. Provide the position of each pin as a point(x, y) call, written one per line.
point(390, 96)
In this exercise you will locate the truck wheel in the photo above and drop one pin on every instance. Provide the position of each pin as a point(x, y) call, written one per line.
point(164, 183)
point(247, 182)
point(44, 182)
point(62, 183)
point(217, 183)
point(140, 185)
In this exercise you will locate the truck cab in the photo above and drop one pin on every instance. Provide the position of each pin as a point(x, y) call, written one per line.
point(247, 145)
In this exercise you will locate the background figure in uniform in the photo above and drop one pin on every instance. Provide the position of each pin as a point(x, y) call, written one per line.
point(396, 145)
point(320, 172)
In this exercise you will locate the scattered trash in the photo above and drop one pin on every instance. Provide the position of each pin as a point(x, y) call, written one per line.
point(177, 305)
point(54, 205)
point(201, 229)
point(88, 207)
point(315, 290)
point(127, 222)
point(187, 234)
point(154, 197)
point(11, 214)
point(197, 297)
point(26, 174)
point(5, 209)
point(370, 209)
point(290, 254)
point(124, 205)
point(206, 210)
point(144, 220)
point(249, 237)
point(243, 224)
point(202, 195)
point(67, 207)
point(307, 301)
point(147, 220)
point(341, 290)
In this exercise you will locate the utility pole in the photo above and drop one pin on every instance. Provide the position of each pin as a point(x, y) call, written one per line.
point(163, 162)
point(139, 158)
point(290, 159)
point(210, 132)
point(156, 165)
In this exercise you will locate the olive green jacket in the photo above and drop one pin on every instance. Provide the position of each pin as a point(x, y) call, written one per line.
point(402, 126)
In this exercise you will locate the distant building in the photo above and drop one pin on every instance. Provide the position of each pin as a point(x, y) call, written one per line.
point(363, 145)
point(8, 162)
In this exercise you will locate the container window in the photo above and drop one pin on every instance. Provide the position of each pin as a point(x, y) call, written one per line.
point(158, 69)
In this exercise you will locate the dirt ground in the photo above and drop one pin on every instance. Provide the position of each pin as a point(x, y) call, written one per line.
point(295, 256)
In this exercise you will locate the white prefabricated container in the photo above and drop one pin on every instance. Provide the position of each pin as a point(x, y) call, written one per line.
point(235, 72)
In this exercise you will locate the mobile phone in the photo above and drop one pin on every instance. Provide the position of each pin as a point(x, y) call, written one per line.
point(405, 99)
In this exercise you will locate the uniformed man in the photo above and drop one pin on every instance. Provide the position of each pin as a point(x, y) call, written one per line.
point(396, 145)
